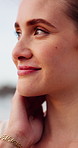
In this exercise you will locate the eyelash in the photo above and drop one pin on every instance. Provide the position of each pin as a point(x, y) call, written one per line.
point(42, 31)
point(18, 34)
point(36, 29)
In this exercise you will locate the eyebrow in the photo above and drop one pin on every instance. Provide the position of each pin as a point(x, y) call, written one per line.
point(34, 22)
point(38, 21)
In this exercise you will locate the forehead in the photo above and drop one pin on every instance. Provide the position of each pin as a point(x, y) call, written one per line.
point(51, 10)
point(35, 8)
point(35, 3)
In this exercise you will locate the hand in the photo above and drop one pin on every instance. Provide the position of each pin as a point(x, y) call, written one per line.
point(26, 120)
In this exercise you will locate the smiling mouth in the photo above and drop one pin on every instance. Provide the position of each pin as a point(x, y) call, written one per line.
point(25, 70)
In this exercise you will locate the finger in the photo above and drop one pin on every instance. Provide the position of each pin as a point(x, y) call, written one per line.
point(18, 112)
point(37, 126)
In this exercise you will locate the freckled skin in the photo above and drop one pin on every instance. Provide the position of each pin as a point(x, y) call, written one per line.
point(55, 53)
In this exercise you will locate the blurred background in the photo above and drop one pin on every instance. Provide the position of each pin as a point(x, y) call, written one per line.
point(8, 76)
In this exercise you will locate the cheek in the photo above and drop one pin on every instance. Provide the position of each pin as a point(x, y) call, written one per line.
point(51, 53)
point(56, 51)
point(56, 56)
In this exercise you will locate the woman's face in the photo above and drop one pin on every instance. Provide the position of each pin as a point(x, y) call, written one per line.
point(46, 54)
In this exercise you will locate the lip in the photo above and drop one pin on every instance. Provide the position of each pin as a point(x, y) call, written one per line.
point(25, 70)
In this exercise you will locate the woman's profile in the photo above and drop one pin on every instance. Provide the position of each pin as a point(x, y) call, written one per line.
point(46, 58)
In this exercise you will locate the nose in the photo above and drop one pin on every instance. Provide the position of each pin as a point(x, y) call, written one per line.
point(21, 52)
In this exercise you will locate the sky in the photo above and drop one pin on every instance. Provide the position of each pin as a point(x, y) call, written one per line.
point(8, 39)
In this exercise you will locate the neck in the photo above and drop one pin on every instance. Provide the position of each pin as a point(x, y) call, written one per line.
point(62, 117)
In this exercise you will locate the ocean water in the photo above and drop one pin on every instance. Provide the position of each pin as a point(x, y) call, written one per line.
point(5, 107)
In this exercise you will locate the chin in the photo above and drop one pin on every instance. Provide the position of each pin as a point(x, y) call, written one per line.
point(27, 90)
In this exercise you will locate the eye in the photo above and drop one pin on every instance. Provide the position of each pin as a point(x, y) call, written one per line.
point(40, 31)
point(18, 34)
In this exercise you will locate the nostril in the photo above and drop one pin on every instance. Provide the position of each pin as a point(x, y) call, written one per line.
point(21, 58)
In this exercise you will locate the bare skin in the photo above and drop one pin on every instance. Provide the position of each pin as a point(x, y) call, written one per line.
point(25, 123)
point(56, 52)
point(53, 48)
